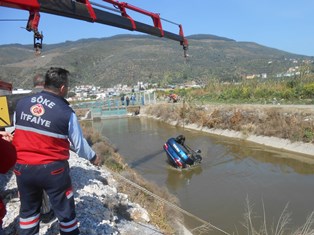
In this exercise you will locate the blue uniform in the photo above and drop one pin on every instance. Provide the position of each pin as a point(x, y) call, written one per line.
point(45, 127)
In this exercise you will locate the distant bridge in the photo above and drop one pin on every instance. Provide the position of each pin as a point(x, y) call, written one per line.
point(113, 106)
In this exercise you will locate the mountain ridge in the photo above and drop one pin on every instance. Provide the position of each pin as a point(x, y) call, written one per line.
point(128, 59)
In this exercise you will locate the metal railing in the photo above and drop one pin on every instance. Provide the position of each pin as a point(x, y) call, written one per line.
point(115, 105)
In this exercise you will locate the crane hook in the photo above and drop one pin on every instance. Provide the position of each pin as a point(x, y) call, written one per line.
point(32, 25)
point(38, 42)
point(185, 50)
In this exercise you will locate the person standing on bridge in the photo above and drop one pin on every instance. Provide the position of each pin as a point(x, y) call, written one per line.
point(122, 99)
point(44, 128)
point(133, 99)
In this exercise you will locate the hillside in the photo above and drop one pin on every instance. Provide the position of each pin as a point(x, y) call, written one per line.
point(128, 59)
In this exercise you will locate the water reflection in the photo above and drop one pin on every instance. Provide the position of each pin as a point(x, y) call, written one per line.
point(286, 161)
point(231, 171)
point(177, 178)
point(145, 159)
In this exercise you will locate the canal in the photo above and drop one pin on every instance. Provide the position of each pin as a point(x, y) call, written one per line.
point(231, 172)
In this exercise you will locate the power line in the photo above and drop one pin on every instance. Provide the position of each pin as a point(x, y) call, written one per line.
point(205, 223)
point(13, 20)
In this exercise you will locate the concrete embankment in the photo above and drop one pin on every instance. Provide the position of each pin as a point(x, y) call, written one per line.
point(305, 151)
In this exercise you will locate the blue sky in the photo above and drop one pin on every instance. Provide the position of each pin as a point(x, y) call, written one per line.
point(282, 24)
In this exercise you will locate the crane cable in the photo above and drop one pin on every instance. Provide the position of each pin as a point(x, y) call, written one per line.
point(13, 19)
point(166, 202)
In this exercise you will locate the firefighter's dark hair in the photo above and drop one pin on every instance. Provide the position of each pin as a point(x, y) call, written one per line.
point(56, 77)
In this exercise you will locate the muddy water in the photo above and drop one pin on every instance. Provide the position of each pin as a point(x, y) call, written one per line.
point(231, 172)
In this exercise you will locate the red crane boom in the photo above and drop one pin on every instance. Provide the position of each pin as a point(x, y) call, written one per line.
point(90, 11)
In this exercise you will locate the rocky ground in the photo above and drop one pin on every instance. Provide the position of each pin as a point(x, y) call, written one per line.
point(99, 205)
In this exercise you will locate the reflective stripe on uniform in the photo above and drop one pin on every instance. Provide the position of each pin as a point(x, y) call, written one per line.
point(69, 193)
point(68, 226)
point(42, 132)
point(30, 222)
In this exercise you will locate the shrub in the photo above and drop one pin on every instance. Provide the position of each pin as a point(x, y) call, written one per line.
point(308, 90)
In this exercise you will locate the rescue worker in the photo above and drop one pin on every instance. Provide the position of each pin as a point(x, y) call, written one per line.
point(45, 126)
point(7, 160)
point(38, 83)
point(47, 214)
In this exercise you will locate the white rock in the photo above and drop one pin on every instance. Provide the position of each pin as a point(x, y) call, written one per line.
point(94, 188)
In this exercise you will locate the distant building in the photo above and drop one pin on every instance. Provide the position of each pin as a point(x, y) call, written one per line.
point(250, 76)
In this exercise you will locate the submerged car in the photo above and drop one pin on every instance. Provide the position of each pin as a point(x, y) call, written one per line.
point(181, 155)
